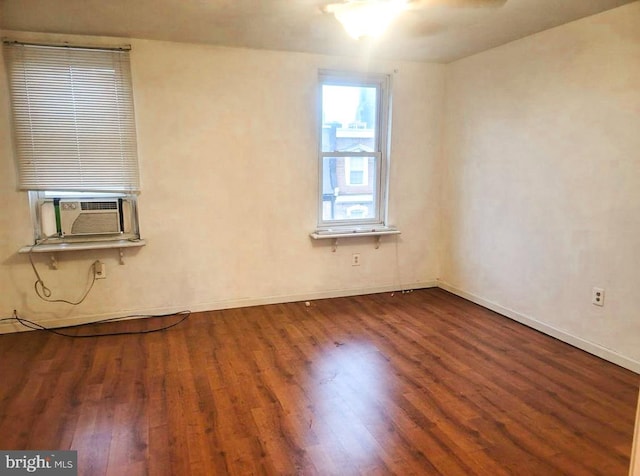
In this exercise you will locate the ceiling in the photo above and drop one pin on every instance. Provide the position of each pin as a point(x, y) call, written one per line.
point(434, 33)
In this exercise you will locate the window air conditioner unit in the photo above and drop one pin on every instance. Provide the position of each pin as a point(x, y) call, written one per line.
point(93, 216)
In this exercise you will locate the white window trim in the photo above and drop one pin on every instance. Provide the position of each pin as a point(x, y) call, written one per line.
point(383, 83)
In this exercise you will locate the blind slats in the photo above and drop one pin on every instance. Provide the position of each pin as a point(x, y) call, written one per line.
point(73, 119)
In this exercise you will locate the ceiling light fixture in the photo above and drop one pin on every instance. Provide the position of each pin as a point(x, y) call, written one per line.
point(370, 18)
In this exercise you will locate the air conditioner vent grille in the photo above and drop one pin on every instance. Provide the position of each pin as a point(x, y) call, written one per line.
point(99, 205)
point(87, 224)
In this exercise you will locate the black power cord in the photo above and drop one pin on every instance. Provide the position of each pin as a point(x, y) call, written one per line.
point(57, 330)
point(44, 293)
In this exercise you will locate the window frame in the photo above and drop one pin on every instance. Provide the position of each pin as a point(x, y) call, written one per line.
point(381, 152)
point(116, 92)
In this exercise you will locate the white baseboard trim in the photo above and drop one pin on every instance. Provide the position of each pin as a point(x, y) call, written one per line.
point(6, 328)
point(564, 336)
point(587, 346)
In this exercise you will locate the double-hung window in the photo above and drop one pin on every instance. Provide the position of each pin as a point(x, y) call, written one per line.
point(75, 140)
point(353, 156)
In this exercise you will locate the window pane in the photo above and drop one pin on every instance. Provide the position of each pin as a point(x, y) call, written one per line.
point(344, 198)
point(349, 118)
point(356, 170)
point(356, 177)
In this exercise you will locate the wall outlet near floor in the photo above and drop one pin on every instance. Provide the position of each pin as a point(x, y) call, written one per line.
point(597, 297)
point(99, 270)
point(355, 259)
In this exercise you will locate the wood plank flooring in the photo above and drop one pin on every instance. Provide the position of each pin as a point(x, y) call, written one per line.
point(423, 383)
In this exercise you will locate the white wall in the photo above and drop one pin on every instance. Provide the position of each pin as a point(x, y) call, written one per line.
point(541, 193)
point(228, 155)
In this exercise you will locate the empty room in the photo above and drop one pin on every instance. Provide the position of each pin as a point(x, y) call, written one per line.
point(332, 237)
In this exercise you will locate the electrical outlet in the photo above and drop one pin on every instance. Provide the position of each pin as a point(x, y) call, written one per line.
point(99, 270)
point(355, 259)
point(597, 297)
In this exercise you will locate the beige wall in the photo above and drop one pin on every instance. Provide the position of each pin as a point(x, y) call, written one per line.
point(539, 186)
point(541, 193)
point(228, 156)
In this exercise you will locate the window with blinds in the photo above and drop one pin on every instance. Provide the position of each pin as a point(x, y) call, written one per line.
point(73, 117)
point(75, 139)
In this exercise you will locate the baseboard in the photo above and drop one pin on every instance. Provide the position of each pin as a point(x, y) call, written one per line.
point(6, 328)
point(564, 336)
point(587, 346)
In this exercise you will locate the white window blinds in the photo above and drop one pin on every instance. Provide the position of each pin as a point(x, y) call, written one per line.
point(73, 118)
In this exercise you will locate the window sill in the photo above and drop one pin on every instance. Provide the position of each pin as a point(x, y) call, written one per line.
point(82, 246)
point(336, 233)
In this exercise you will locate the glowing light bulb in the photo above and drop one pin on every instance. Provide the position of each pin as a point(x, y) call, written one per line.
point(362, 18)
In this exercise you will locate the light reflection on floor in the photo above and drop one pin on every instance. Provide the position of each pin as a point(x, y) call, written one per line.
point(349, 391)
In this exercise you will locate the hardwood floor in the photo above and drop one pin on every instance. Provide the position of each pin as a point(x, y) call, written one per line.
point(421, 383)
